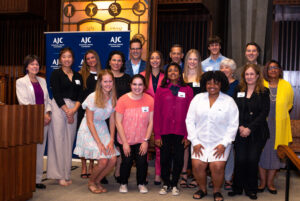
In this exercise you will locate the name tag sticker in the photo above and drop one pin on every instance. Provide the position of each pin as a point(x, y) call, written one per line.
point(31, 88)
point(181, 94)
point(209, 68)
point(77, 82)
point(96, 78)
point(196, 84)
point(145, 109)
point(241, 94)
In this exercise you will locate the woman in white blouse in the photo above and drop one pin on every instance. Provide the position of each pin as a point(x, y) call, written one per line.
point(212, 123)
point(32, 89)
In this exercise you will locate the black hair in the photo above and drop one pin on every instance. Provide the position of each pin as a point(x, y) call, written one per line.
point(166, 80)
point(217, 76)
point(111, 54)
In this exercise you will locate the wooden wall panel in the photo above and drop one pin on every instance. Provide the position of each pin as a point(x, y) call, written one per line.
point(22, 6)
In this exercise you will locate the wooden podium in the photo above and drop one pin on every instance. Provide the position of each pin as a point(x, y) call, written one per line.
point(21, 128)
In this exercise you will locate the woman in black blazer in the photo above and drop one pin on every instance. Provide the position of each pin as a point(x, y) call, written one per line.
point(253, 101)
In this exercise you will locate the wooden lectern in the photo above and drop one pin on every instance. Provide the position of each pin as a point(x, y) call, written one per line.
point(21, 128)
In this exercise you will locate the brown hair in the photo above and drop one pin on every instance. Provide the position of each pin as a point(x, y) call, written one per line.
point(214, 39)
point(85, 70)
point(29, 59)
point(186, 68)
point(149, 67)
point(259, 82)
point(99, 95)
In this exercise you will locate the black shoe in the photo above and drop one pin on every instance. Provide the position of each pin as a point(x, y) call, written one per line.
point(157, 183)
point(40, 186)
point(252, 196)
point(260, 190)
point(104, 181)
point(118, 179)
point(234, 193)
point(272, 191)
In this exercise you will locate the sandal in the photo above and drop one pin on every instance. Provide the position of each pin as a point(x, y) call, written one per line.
point(193, 184)
point(199, 193)
point(84, 176)
point(218, 195)
point(227, 186)
point(183, 181)
point(101, 188)
point(94, 189)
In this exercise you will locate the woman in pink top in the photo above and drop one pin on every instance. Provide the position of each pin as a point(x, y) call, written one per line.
point(172, 101)
point(134, 121)
point(153, 76)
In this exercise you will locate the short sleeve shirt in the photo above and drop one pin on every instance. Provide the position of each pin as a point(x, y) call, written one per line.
point(136, 116)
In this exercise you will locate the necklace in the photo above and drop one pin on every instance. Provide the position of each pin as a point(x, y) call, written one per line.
point(273, 94)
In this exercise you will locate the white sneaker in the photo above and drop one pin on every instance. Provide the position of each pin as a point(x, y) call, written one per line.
point(175, 191)
point(142, 188)
point(123, 188)
point(163, 190)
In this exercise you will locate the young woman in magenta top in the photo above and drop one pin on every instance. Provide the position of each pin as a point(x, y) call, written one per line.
point(153, 76)
point(134, 121)
point(172, 101)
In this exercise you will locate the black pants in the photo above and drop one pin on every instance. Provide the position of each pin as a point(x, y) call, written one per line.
point(141, 165)
point(172, 148)
point(247, 155)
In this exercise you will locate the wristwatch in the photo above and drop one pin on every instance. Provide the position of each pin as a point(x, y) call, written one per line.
point(146, 140)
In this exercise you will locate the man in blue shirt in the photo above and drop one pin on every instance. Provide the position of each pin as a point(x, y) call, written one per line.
point(212, 63)
point(176, 55)
point(135, 65)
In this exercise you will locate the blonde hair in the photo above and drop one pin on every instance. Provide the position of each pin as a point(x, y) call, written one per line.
point(85, 70)
point(259, 82)
point(186, 68)
point(99, 94)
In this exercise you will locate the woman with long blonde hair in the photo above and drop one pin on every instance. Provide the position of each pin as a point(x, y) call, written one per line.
point(95, 140)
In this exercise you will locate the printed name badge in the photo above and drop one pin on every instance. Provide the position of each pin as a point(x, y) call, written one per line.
point(209, 68)
point(145, 109)
point(181, 94)
point(31, 88)
point(77, 82)
point(241, 94)
point(96, 77)
point(196, 84)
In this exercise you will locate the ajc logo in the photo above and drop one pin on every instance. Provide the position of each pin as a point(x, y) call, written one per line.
point(115, 41)
point(86, 42)
point(55, 63)
point(57, 42)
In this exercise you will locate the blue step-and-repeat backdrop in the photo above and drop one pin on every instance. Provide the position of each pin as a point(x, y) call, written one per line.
point(102, 42)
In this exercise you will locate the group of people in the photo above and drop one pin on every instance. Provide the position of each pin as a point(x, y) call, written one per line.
point(203, 115)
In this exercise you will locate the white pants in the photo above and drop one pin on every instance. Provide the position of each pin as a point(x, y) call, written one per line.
point(60, 142)
point(40, 149)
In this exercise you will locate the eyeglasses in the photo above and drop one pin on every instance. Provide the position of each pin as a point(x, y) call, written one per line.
point(273, 68)
point(135, 49)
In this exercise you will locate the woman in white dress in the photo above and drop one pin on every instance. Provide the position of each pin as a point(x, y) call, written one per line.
point(95, 140)
point(212, 123)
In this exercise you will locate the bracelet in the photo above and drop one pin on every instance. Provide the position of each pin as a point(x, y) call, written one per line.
point(146, 140)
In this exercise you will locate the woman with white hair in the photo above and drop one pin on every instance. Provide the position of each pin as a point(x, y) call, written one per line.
point(228, 66)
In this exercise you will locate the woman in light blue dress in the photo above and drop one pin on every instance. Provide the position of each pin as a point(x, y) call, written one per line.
point(94, 139)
